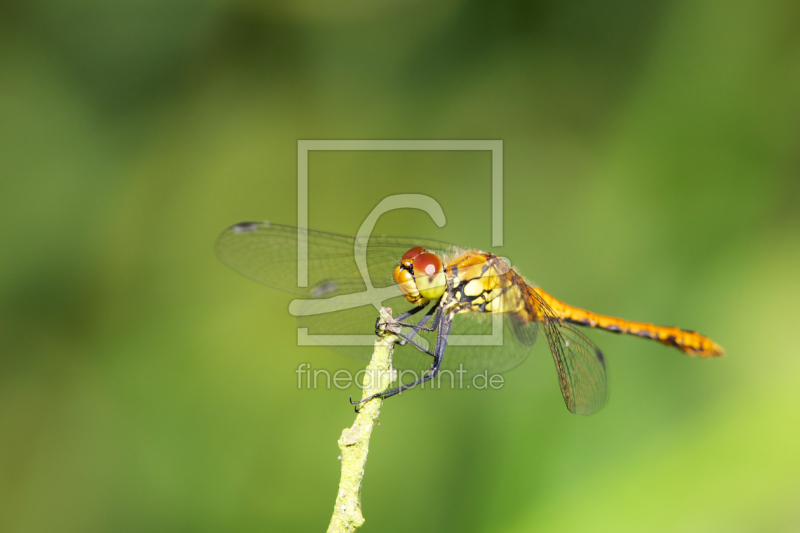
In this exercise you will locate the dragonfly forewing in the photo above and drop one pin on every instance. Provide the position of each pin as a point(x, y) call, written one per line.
point(267, 253)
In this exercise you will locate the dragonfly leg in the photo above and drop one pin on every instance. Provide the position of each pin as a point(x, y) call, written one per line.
point(438, 355)
point(432, 373)
point(399, 320)
point(414, 331)
point(435, 312)
point(407, 340)
point(434, 370)
point(416, 328)
point(411, 312)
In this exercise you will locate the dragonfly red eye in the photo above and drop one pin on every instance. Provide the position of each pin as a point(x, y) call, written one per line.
point(428, 275)
point(428, 264)
point(412, 253)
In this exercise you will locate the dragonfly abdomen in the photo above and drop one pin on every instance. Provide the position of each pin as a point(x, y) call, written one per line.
point(689, 342)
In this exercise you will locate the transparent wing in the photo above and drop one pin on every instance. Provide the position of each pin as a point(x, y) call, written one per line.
point(581, 367)
point(484, 343)
point(267, 253)
point(352, 332)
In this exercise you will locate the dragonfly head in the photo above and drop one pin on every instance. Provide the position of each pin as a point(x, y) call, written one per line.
point(420, 276)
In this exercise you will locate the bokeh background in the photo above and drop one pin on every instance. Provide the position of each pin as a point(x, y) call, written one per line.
point(652, 161)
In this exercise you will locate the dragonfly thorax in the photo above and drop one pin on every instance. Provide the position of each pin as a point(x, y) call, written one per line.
point(420, 276)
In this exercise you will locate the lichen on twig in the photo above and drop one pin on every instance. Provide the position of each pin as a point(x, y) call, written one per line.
point(354, 442)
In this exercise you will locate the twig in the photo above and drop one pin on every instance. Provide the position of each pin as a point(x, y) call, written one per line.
point(354, 442)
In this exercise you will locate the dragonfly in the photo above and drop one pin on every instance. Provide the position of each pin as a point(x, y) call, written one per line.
point(470, 303)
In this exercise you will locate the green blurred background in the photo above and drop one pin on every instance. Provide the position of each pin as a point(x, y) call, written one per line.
point(652, 153)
